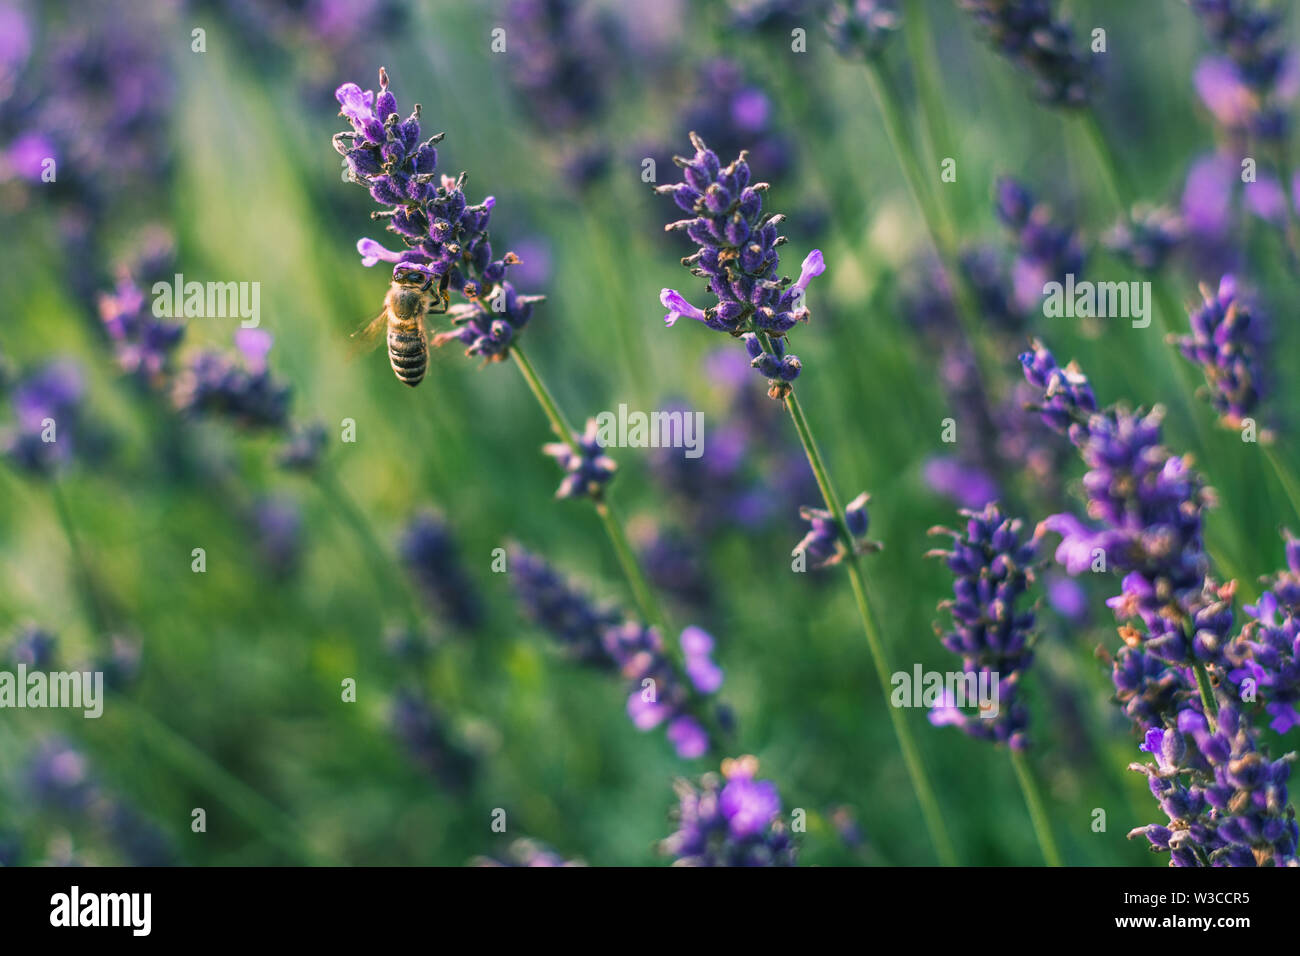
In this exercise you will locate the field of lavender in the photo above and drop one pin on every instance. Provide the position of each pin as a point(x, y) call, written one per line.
point(919, 495)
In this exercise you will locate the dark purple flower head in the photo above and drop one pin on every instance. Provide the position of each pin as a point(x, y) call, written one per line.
point(555, 605)
point(423, 733)
point(993, 567)
point(1147, 237)
point(1025, 32)
point(823, 544)
point(48, 421)
point(34, 647)
point(1048, 248)
point(1273, 636)
point(446, 237)
point(734, 113)
point(738, 256)
point(862, 27)
point(1250, 83)
point(235, 386)
point(144, 345)
point(1067, 395)
point(588, 469)
point(1225, 342)
point(732, 820)
point(429, 551)
point(305, 448)
point(561, 59)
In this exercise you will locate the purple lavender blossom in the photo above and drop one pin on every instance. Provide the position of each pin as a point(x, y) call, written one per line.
point(730, 820)
point(1249, 86)
point(445, 237)
point(33, 647)
point(735, 113)
point(48, 422)
point(659, 691)
point(238, 387)
point(738, 255)
point(143, 344)
point(587, 470)
point(1273, 636)
point(1147, 237)
point(1225, 341)
point(992, 564)
point(568, 615)
point(423, 733)
point(862, 27)
point(1026, 33)
point(429, 551)
point(823, 543)
point(1225, 799)
point(968, 485)
point(1047, 247)
point(525, 852)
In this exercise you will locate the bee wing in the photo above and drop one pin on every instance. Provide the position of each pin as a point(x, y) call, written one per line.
point(368, 337)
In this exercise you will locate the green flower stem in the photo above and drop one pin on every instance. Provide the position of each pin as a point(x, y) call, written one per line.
point(636, 579)
point(390, 580)
point(274, 826)
point(911, 757)
point(1207, 696)
point(642, 593)
point(86, 588)
point(1034, 800)
point(934, 214)
point(1284, 477)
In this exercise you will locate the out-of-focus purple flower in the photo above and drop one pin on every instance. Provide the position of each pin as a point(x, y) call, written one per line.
point(48, 424)
point(967, 485)
point(659, 692)
point(277, 525)
point(305, 448)
point(1273, 636)
point(25, 158)
point(239, 389)
point(1225, 342)
point(33, 647)
point(862, 27)
point(1249, 86)
point(1047, 248)
point(429, 551)
point(587, 470)
point(730, 820)
point(570, 617)
point(144, 345)
point(1147, 237)
point(992, 566)
point(1026, 33)
point(1066, 597)
point(525, 852)
point(734, 113)
point(423, 733)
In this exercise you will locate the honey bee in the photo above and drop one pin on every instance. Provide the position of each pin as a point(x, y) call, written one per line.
point(410, 298)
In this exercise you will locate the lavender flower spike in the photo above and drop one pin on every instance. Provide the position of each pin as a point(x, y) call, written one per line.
point(730, 820)
point(823, 543)
point(1225, 342)
point(587, 470)
point(1025, 32)
point(738, 256)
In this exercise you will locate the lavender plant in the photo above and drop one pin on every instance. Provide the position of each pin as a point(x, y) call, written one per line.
point(730, 820)
point(738, 254)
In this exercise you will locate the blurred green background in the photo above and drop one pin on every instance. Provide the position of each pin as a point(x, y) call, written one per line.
point(237, 706)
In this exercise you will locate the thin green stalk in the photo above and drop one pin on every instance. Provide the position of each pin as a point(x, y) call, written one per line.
point(1284, 477)
point(389, 578)
point(934, 214)
point(86, 589)
point(911, 757)
point(1034, 800)
point(243, 800)
point(636, 579)
point(1207, 696)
